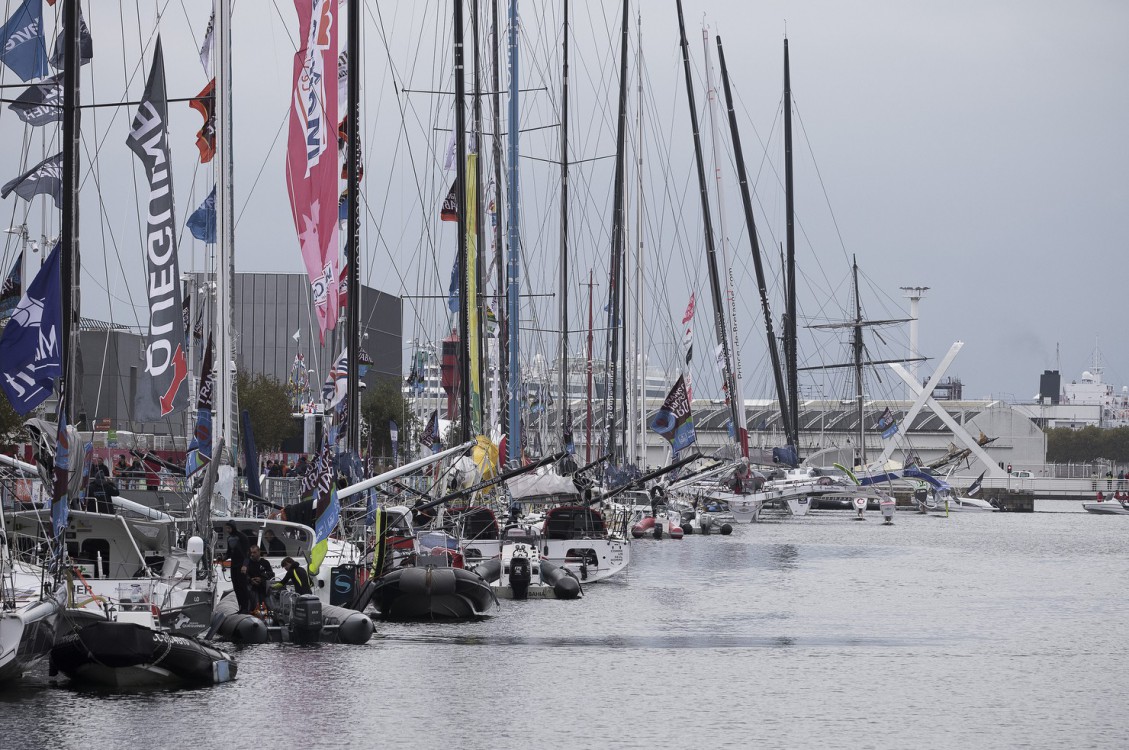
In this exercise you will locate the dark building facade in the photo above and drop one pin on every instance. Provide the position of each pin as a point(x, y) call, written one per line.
point(269, 309)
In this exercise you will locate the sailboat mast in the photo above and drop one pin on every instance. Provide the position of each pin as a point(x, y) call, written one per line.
point(758, 265)
point(639, 333)
point(460, 196)
point(615, 314)
point(353, 230)
point(499, 246)
point(513, 441)
point(857, 346)
point(70, 262)
point(479, 228)
point(588, 420)
point(732, 396)
point(790, 261)
point(227, 433)
point(730, 305)
point(566, 411)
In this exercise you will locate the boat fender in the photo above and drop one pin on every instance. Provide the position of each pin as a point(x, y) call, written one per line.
point(675, 532)
point(521, 574)
point(688, 528)
point(490, 571)
point(564, 583)
point(726, 529)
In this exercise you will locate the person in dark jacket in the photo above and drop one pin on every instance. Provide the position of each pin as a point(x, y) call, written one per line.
point(274, 546)
point(297, 576)
point(237, 549)
point(99, 492)
point(259, 571)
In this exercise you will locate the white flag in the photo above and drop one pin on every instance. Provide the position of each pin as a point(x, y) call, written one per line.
point(296, 335)
point(206, 47)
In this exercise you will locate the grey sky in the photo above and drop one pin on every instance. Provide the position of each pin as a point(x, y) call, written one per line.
point(973, 147)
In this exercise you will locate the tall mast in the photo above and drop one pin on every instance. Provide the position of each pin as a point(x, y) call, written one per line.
point(730, 309)
point(227, 433)
point(790, 262)
point(566, 410)
point(499, 244)
point(353, 230)
point(615, 313)
point(588, 420)
point(856, 343)
point(513, 444)
point(70, 261)
point(732, 397)
point(758, 265)
point(479, 228)
point(461, 195)
point(639, 327)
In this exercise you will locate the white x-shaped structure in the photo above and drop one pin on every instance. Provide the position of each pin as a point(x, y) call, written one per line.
point(925, 398)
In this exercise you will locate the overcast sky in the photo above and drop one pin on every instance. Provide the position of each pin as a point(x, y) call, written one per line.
point(974, 147)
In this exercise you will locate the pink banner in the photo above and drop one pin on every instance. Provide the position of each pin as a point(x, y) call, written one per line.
point(311, 157)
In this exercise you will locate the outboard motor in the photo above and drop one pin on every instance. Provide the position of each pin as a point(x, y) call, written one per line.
point(305, 619)
point(521, 574)
point(921, 495)
point(887, 506)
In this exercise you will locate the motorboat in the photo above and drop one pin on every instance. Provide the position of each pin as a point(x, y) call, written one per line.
point(519, 572)
point(1117, 505)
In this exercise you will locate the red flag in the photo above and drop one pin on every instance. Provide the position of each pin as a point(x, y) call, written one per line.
point(205, 104)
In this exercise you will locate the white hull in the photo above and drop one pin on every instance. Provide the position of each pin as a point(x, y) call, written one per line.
point(1107, 507)
point(589, 560)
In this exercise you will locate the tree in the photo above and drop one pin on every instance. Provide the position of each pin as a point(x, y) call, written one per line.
point(380, 404)
point(268, 404)
point(10, 421)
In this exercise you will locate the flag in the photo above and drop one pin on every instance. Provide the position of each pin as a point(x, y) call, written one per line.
point(451, 152)
point(40, 103)
point(200, 449)
point(85, 44)
point(45, 178)
point(12, 289)
point(311, 159)
point(886, 424)
point(450, 209)
point(250, 456)
point(206, 47)
point(202, 222)
point(163, 389)
point(343, 76)
point(21, 41)
point(31, 354)
point(394, 431)
point(975, 486)
point(333, 391)
point(430, 436)
point(327, 509)
point(688, 346)
point(453, 287)
point(673, 420)
point(205, 104)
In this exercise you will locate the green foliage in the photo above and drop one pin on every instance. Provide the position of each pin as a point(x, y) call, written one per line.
point(1083, 446)
point(10, 421)
point(268, 404)
point(381, 403)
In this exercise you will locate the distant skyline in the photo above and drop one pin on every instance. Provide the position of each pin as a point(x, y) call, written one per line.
point(977, 148)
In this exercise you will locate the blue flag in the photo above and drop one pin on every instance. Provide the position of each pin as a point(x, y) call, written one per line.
point(21, 41)
point(200, 449)
point(202, 222)
point(31, 355)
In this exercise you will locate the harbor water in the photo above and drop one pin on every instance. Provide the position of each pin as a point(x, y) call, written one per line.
point(976, 630)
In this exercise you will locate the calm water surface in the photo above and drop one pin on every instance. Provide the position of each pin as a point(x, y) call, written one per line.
point(977, 630)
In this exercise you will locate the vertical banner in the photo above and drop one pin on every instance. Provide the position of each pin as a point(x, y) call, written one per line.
point(200, 449)
point(311, 156)
point(471, 297)
point(162, 390)
point(394, 431)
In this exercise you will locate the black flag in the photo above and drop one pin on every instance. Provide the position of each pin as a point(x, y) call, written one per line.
point(85, 44)
point(46, 177)
point(40, 103)
point(163, 388)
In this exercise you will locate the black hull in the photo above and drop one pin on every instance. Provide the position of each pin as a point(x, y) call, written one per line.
point(124, 654)
point(333, 624)
point(430, 593)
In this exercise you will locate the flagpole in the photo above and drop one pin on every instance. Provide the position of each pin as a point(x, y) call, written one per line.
point(227, 432)
point(353, 231)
